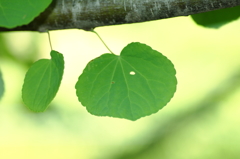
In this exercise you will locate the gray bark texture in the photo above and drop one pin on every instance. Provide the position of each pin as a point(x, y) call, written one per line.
point(88, 14)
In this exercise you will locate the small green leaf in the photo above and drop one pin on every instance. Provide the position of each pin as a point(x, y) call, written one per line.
point(135, 84)
point(42, 82)
point(15, 13)
point(1, 85)
point(217, 18)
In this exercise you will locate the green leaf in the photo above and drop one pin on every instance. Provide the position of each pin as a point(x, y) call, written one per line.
point(135, 84)
point(217, 18)
point(15, 13)
point(1, 85)
point(42, 82)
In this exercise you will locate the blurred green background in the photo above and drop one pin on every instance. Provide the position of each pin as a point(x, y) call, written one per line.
point(202, 120)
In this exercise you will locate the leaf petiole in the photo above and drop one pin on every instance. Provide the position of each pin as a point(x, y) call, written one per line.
point(49, 38)
point(102, 41)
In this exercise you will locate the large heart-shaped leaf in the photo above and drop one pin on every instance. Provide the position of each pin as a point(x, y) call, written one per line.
point(15, 13)
point(137, 83)
point(42, 82)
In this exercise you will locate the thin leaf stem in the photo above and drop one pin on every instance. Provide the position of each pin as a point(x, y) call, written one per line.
point(102, 41)
point(49, 38)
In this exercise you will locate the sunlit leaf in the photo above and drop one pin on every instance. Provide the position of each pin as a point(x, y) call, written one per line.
point(135, 84)
point(15, 13)
point(217, 18)
point(1, 85)
point(42, 82)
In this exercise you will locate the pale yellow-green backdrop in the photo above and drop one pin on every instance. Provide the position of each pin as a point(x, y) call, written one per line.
point(202, 121)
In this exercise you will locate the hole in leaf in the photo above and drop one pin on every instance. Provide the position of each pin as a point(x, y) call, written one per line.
point(132, 73)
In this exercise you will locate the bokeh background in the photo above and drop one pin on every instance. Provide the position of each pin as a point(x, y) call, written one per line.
point(202, 121)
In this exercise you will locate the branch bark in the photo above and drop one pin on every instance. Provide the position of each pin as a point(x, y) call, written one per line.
point(88, 14)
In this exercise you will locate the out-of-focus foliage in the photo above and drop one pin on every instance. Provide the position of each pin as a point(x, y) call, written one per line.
point(201, 121)
point(15, 13)
point(217, 18)
point(1, 85)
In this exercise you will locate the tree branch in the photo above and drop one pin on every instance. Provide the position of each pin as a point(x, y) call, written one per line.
point(88, 14)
